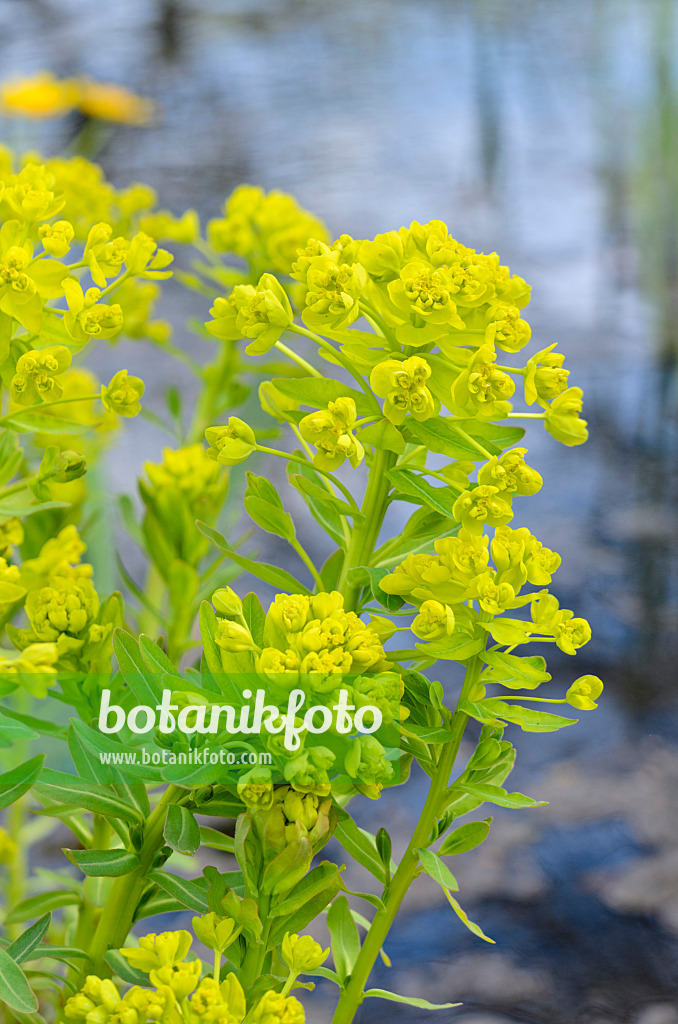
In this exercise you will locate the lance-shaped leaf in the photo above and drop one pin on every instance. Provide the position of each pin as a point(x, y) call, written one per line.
point(361, 846)
point(14, 988)
point(324, 882)
point(103, 863)
point(499, 796)
point(18, 781)
point(414, 487)
point(68, 789)
point(43, 902)
point(278, 578)
point(318, 392)
point(124, 970)
point(190, 894)
point(513, 672)
point(437, 870)
point(182, 831)
point(422, 1004)
point(344, 937)
point(288, 867)
point(463, 916)
point(466, 837)
point(135, 672)
point(64, 954)
point(22, 947)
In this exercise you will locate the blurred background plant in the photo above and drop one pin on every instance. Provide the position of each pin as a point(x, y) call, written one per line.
point(546, 130)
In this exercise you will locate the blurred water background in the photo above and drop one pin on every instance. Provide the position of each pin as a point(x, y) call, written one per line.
point(547, 130)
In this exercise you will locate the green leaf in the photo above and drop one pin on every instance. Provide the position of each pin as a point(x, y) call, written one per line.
point(463, 916)
point(288, 867)
point(121, 966)
point(317, 880)
point(413, 486)
point(301, 918)
point(63, 788)
point(361, 846)
point(366, 576)
point(31, 422)
point(528, 719)
point(317, 392)
point(103, 863)
point(441, 434)
point(135, 673)
point(422, 1004)
point(14, 988)
point(64, 954)
point(22, 947)
point(42, 903)
point(278, 578)
point(18, 781)
point(13, 731)
point(437, 870)
point(458, 647)
point(38, 725)
point(190, 894)
point(324, 507)
point(344, 937)
point(513, 672)
point(499, 796)
point(509, 632)
point(384, 436)
point(270, 518)
point(215, 840)
point(255, 617)
point(312, 490)
point(465, 838)
point(156, 658)
point(182, 831)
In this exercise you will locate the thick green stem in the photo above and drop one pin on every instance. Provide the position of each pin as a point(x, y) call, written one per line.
point(118, 914)
point(352, 995)
point(365, 535)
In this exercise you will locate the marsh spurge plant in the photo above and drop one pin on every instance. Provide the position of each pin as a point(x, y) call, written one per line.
point(408, 408)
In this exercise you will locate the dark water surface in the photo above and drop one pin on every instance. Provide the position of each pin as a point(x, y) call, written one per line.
point(548, 131)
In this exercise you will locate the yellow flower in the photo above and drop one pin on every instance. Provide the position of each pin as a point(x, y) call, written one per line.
point(159, 950)
point(274, 1008)
point(584, 693)
point(122, 394)
point(403, 385)
point(34, 380)
point(108, 101)
point(331, 431)
point(215, 932)
point(41, 95)
point(434, 621)
point(302, 953)
point(181, 978)
point(11, 535)
point(232, 443)
point(217, 1004)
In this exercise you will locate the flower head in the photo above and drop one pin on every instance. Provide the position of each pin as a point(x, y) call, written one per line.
point(232, 443)
point(123, 394)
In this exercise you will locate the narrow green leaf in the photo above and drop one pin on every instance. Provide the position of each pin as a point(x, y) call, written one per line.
point(22, 947)
point(437, 870)
point(155, 657)
point(422, 1004)
point(182, 831)
point(43, 902)
point(140, 681)
point(465, 838)
point(215, 840)
point(14, 988)
point(64, 954)
point(278, 578)
point(513, 672)
point(103, 863)
point(68, 789)
point(361, 846)
point(499, 796)
point(413, 487)
point(120, 964)
point(318, 392)
point(190, 894)
point(344, 937)
point(463, 916)
point(441, 434)
point(18, 781)
point(458, 647)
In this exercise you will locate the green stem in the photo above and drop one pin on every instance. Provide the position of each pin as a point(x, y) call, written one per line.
point(305, 462)
point(41, 406)
point(527, 416)
point(366, 533)
point(299, 360)
point(306, 559)
point(211, 400)
point(352, 996)
point(149, 623)
point(118, 914)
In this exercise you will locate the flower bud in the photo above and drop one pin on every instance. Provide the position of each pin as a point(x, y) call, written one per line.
point(71, 465)
point(226, 602)
point(215, 932)
point(233, 637)
point(302, 953)
point(434, 621)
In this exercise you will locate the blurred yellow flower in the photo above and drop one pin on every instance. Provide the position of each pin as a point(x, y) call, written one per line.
point(108, 101)
point(39, 95)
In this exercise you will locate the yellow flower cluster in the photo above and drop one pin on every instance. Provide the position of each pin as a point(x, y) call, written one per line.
point(43, 95)
point(264, 229)
point(315, 634)
point(178, 994)
point(461, 572)
point(331, 432)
